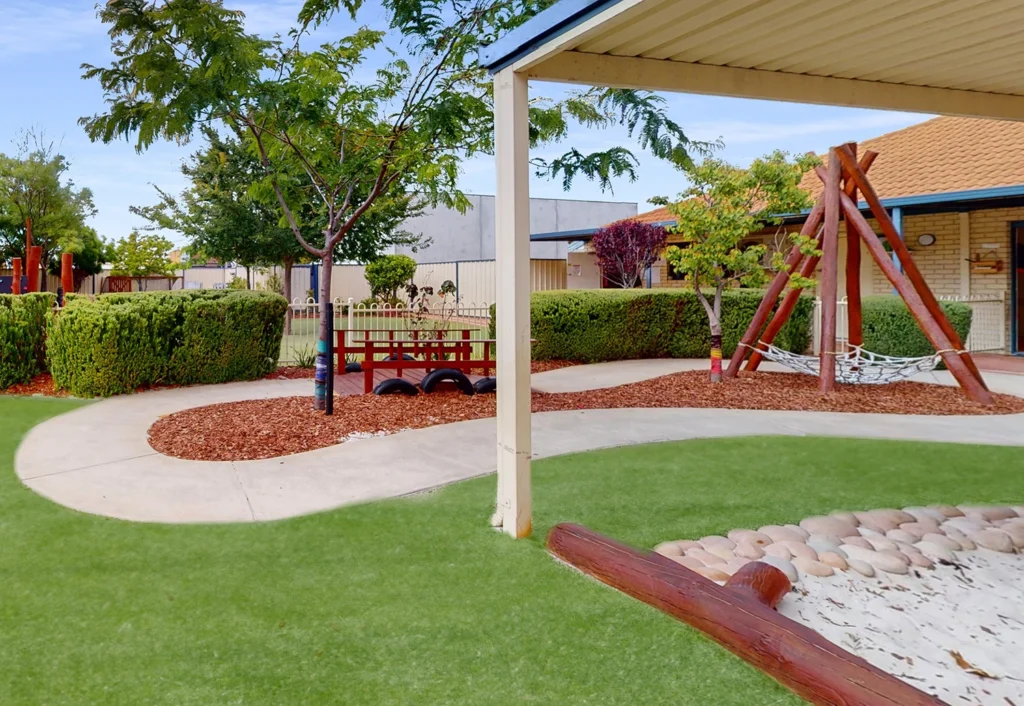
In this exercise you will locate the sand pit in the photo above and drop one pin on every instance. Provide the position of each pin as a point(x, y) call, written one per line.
point(931, 595)
point(955, 631)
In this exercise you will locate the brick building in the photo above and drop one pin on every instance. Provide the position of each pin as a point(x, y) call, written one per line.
point(955, 189)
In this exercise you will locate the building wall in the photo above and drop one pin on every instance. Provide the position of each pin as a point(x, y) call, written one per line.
point(470, 235)
point(583, 271)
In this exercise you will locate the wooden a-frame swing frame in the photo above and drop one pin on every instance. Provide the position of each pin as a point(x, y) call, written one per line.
point(843, 178)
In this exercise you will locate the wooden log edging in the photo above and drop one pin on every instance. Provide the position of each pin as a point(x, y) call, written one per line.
point(740, 617)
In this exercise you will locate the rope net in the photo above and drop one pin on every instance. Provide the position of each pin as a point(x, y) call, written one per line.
point(856, 366)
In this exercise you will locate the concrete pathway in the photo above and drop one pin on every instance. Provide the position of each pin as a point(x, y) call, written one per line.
point(96, 459)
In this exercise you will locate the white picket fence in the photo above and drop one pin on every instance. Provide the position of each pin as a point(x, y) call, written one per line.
point(988, 323)
point(378, 322)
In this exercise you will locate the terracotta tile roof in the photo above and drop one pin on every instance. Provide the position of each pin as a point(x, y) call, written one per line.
point(942, 155)
point(937, 156)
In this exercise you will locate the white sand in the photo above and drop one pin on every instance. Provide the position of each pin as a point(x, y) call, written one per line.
point(910, 626)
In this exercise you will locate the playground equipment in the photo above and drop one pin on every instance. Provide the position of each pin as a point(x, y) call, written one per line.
point(843, 178)
point(740, 616)
point(444, 352)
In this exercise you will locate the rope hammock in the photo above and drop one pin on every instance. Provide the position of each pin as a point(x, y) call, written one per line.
point(856, 366)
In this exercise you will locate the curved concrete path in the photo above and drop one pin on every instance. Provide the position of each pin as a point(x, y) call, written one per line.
point(96, 459)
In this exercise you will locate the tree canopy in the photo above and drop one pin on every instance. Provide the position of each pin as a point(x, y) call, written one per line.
point(142, 255)
point(323, 122)
point(34, 186)
point(716, 217)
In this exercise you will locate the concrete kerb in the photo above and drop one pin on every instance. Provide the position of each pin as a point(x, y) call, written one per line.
point(114, 472)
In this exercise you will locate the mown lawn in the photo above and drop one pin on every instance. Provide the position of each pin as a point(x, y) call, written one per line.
point(415, 601)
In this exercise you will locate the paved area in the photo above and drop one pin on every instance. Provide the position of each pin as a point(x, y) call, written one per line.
point(96, 459)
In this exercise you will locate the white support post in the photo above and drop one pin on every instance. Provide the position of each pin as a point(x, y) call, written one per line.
point(512, 255)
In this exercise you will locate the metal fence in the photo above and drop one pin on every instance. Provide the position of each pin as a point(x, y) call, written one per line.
point(988, 323)
point(377, 322)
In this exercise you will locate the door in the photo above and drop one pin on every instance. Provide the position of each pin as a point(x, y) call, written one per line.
point(1017, 289)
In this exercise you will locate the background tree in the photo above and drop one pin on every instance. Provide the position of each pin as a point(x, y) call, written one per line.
point(91, 253)
point(319, 121)
point(716, 216)
point(389, 273)
point(34, 185)
point(223, 220)
point(141, 255)
point(625, 250)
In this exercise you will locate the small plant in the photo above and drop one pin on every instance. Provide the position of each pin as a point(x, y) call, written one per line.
point(238, 283)
point(274, 283)
point(387, 274)
point(304, 357)
point(426, 314)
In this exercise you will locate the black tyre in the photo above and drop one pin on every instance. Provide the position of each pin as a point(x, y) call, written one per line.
point(395, 386)
point(485, 386)
point(430, 380)
point(405, 356)
point(353, 367)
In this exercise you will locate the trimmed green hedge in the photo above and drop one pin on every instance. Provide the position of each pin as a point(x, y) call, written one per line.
point(890, 329)
point(120, 342)
point(615, 324)
point(23, 336)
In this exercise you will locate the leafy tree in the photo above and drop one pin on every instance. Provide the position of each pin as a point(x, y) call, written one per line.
point(91, 253)
point(625, 250)
point(715, 217)
point(223, 220)
point(319, 122)
point(142, 256)
point(389, 273)
point(33, 186)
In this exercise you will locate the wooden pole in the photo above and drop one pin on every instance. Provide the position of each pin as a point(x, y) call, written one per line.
point(906, 259)
point(16, 284)
point(971, 385)
point(784, 311)
point(771, 295)
point(67, 275)
point(35, 254)
point(829, 275)
point(738, 616)
point(855, 330)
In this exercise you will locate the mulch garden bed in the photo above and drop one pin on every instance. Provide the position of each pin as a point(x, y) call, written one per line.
point(39, 385)
point(268, 428)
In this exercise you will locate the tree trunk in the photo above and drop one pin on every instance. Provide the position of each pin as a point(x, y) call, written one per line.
point(286, 290)
point(324, 346)
point(714, 312)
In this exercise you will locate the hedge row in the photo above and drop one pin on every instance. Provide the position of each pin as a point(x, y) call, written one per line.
point(614, 324)
point(889, 328)
point(120, 342)
point(600, 325)
point(23, 336)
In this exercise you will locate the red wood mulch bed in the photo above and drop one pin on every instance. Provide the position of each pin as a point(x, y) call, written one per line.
point(267, 428)
point(40, 385)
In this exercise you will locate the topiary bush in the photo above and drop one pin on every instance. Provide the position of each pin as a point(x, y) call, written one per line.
point(120, 342)
point(23, 336)
point(890, 329)
point(599, 325)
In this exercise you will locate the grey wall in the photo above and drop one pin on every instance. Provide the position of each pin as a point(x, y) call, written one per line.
point(470, 235)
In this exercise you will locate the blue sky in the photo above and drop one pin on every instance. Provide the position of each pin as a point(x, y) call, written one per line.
point(43, 43)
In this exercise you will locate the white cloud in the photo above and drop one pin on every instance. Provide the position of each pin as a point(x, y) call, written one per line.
point(30, 26)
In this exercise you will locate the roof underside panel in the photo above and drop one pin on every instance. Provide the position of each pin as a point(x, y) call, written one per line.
point(965, 45)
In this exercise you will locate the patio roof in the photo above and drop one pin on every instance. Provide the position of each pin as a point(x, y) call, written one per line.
point(956, 57)
point(951, 57)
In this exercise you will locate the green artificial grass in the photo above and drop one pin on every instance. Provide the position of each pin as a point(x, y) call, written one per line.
point(416, 601)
